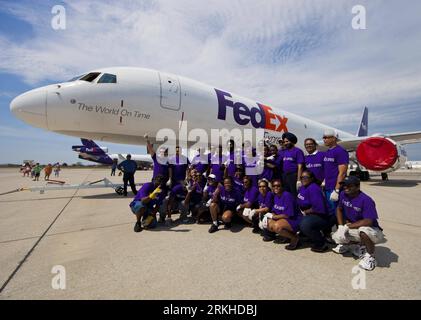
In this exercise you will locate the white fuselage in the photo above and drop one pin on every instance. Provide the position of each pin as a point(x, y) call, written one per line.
point(144, 101)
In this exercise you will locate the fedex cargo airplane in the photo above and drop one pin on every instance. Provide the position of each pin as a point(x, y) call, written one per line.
point(122, 104)
point(90, 151)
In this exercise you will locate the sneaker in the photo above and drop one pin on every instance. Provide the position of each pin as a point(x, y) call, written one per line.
point(368, 262)
point(281, 240)
point(268, 236)
point(183, 218)
point(294, 244)
point(358, 251)
point(137, 227)
point(213, 228)
point(320, 249)
point(161, 219)
point(341, 248)
point(256, 229)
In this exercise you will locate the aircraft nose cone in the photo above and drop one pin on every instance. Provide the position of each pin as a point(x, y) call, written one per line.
point(31, 107)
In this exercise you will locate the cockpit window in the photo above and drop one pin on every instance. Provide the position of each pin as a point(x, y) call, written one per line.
point(90, 76)
point(76, 78)
point(108, 78)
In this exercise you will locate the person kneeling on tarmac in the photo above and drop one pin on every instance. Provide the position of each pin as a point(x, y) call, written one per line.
point(265, 203)
point(247, 208)
point(358, 229)
point(194, 196)
point(203, 212)
point(284, 218)
point(146, 203)
point(225, 201)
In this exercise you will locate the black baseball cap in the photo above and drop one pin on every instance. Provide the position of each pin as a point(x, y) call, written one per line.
point(351, 180)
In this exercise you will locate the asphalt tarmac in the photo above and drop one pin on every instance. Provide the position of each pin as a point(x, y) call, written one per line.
point(80, 244)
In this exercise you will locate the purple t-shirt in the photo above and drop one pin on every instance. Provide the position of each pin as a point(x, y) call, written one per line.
point(232, 157)
point(277, 172)
point(251, 169)
point(160, 166)
point(229, 198)
point(265, 201)
point(358, 208)
point(315, 163)
point(178, 191)
point(238, 184)
point(210, 190)
point(332, 159)
point(250, 195)
point(313, 197)
point(197, 193)
point(291, 158)
point(268, 172)
point(179, 167)
point(217, 165)
point(145, 190)
point(200, 163)
point(286, 204)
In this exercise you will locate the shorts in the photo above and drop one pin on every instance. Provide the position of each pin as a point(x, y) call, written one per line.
point(135, 206)
point(228, 207)
point(375, 235)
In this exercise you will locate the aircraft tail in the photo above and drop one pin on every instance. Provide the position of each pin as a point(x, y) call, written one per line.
point(89, 143)
point(363, 128)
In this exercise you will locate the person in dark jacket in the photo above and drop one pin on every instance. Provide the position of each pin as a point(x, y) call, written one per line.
point(128, 167)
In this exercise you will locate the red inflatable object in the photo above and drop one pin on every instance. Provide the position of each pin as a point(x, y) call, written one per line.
point(377, 153)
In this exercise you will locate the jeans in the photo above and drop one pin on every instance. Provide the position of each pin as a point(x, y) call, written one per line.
point(331, 205)
point(313, 226)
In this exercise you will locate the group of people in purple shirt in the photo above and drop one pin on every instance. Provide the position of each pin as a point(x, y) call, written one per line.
point(290, 198)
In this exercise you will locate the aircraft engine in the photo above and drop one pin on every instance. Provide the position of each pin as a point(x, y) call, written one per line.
point(378, 154)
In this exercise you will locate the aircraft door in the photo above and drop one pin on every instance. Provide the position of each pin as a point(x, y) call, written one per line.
point(170, 91)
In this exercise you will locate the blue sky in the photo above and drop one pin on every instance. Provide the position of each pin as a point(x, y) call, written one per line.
point(302, 56)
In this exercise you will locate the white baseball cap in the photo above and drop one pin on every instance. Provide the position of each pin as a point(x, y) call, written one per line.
point(330, 133)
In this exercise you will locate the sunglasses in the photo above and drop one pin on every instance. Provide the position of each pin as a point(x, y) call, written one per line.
point(327, 137)
point(276, 186)
point(304, 177)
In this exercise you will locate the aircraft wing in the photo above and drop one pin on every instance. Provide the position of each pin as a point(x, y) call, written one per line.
point(406, 137)
point(350, 144)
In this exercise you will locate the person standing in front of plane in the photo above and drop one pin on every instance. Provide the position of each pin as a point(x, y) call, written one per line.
point(230, 164)
point(277, 160)
point(269, 164)
point(160, 161)
point(292, 163)
point(216, 162)
point(200, 162)
point(336, 160)
point(314, 160)
point(128, 167)
point(114, 167)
